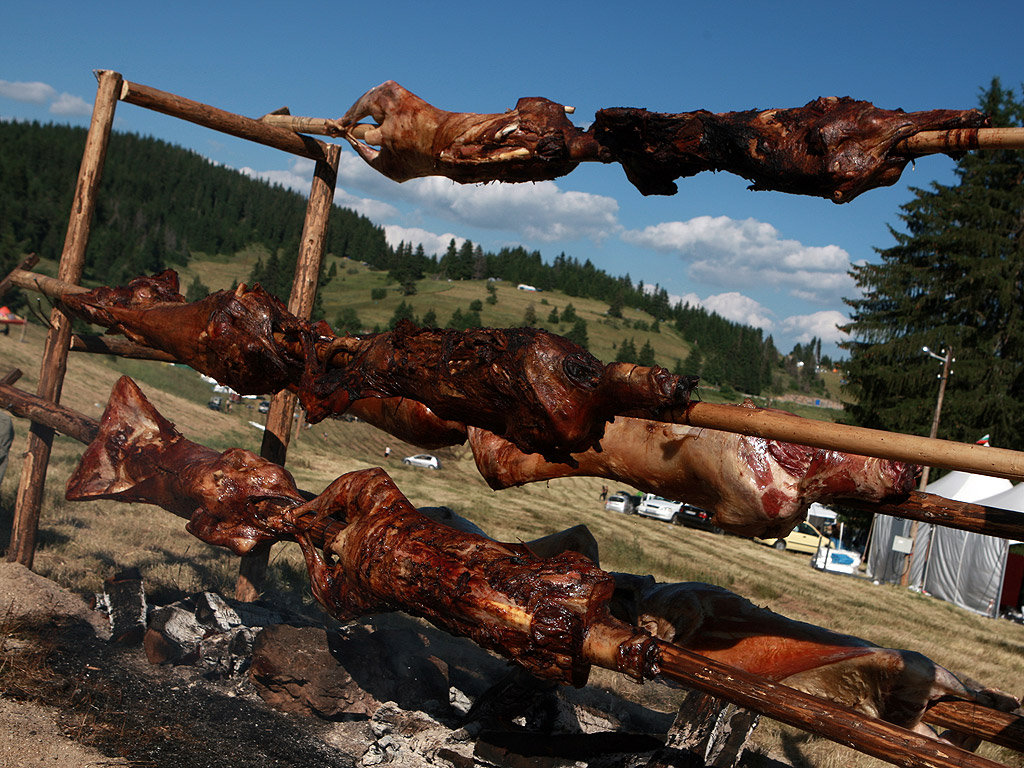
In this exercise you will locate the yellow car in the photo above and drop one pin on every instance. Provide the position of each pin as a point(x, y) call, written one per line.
point(804, 538)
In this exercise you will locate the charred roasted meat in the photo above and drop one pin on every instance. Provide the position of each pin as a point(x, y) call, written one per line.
point(836, 148)
point(378, 552)
point(754, 486)
point(541, 391)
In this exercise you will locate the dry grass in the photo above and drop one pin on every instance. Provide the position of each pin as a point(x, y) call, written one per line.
point(81, 544)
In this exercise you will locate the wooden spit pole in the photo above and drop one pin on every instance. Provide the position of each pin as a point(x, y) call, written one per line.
point(962, 140)
point(28, 502)
point(253, 566)
point(220, 120)
point(778, 425)
point(780, 702)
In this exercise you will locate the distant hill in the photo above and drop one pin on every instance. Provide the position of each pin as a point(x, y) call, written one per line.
point(163, 206)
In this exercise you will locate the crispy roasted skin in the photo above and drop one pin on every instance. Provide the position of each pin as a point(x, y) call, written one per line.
point(541, 391)
point(377, 554)
point(836, 148)
point(754, 486)
point(533, 142)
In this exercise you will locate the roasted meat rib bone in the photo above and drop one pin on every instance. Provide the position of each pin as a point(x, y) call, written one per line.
point(539, 390)
point(836, 148)
point(754, 486)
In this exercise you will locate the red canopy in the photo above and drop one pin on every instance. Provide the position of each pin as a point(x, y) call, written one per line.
point(6, 316)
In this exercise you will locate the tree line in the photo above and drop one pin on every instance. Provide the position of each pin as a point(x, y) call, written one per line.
point(159, 205)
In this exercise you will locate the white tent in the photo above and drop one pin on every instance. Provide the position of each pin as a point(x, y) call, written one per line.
point(964, 568)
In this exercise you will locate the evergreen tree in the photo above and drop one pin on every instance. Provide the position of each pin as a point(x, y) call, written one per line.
point(626, 352)
point(347, 321)
point(578, 333)
point(955, 278)
point(430, 319)
point(196, 290)
point(569, 313)
point(553, 316)
point(402, 312)
point(645, 356)
point(530, 316)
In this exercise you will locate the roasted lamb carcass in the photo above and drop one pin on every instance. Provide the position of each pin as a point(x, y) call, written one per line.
point(541, 391)
point(836, 148)
point(533, 142)
point(368, 549)
point(754, 486)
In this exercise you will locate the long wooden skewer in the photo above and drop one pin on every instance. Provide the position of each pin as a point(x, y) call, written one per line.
point(769, 424)
point(846, 726)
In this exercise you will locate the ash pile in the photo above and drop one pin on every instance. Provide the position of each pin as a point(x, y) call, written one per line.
point(395, 690)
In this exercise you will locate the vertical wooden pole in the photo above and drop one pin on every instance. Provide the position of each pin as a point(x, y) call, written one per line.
point(55, 351)
point(253, 567)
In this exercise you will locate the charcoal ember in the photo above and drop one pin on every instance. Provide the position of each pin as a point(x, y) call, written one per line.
point(337, 676)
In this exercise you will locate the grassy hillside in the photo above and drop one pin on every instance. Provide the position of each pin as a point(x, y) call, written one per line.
point(81, 544)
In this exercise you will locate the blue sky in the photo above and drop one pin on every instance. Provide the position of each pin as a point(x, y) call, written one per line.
point(768, 259)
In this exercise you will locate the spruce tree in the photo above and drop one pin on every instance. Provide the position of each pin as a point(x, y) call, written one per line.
point(954, 279)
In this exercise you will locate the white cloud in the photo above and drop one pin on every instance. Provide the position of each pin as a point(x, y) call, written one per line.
point(299, 177)
point(724, 251)
point(540, 211)
point(66, 104)
point(740, 309)
point(432, 244)
point(34, 93)
point(823, 325)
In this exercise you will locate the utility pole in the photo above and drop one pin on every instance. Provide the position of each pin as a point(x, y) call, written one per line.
point(947, 359)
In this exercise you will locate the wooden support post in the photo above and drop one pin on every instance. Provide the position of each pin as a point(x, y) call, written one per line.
point(55, 352)
point(253, 567)
point(707, 732)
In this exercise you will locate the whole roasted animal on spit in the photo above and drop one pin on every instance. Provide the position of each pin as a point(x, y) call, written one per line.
point(369, 550)
point(537, 405)
point(836, 148)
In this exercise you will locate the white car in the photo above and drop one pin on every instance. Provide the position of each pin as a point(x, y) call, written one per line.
point(621, 502)
point(660, 508)
point(422, 460)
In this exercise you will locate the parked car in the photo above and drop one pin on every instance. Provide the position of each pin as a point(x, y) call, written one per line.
point(623, 502)
point(264, 406)
point(804, 538)
point(675, 512)
point(215, 403)
point(422, 460)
